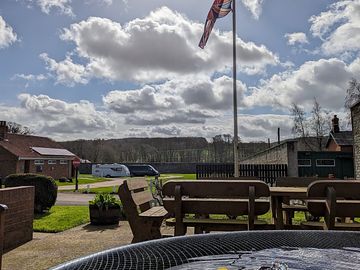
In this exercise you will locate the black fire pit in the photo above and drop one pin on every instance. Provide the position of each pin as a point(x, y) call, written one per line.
point(170, 252)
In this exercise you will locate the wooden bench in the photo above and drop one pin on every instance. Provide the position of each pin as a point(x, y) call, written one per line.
point(334, 199)
point(145, 220)
point(193, 203)
point(292, 204)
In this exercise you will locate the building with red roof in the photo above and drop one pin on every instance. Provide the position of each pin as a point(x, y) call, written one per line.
point(33, 154)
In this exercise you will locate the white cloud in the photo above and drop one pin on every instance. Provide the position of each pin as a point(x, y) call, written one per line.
point(66, 71)
point(59, 117)
point(191, 100)
point(324, 79)
point(297, 37)
point(29, 77)
point(63, 6)
point(63, 121)
point(263, 126)
point(161, 46)
point(255, 7)
point(7, 34)
point(339, 27)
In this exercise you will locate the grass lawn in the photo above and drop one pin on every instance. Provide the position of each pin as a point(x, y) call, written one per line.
point(84, 179)
point(61, 218)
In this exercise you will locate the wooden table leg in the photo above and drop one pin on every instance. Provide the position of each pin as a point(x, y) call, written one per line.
point(273, 209)
point(279, 214)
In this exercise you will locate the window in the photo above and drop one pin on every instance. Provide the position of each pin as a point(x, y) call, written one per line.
point(325, 163)
point(51, 161)
point(63, 162)
point(116, 169)
point(39, 162)
point(304, 162)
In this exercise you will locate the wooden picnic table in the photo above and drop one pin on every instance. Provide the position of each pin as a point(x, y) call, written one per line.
point(278, 196)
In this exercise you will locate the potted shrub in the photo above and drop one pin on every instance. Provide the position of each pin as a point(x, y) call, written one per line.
point(105, 209)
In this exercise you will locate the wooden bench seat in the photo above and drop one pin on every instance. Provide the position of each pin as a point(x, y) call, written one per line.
point(194, 202)
point(154, 212)
point(145, 219)
point(333, 200)
point(290, 207)
point(211, 224)
point(342, 226)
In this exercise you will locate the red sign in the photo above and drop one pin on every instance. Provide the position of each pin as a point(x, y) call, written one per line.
point(76, 163)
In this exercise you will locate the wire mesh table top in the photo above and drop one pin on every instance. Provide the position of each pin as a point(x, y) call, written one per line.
point(169, 252)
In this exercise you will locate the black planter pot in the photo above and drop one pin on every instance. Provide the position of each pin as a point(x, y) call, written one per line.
point(104, 216)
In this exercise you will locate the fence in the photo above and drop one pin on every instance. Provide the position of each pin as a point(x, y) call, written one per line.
point(266, 172)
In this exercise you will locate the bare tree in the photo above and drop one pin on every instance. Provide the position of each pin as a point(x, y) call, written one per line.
point(300, 127)
point(318, 123)
point(16, 128)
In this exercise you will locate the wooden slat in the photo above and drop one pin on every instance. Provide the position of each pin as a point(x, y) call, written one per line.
point(135, 184)
point(217, 188)
point(157, 211)
point(142, 197)
point(338, 225)
point(344, 188)
point(344, 208)
point(289, 192)
point(192, 221)
point(234, 207)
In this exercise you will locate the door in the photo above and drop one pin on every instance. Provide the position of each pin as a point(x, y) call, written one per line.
point(27, 166)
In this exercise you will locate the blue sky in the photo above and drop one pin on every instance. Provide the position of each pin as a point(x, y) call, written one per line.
point(113, 69)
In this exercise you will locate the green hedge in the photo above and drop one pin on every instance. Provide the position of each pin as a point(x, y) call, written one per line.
point(45, 188)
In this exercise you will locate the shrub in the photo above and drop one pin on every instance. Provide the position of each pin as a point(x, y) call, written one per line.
point(105, 201)
point(45, 188)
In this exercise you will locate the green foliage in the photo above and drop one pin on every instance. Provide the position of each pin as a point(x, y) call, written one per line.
point(61, 218)
point(45, 188)
point(105, 200)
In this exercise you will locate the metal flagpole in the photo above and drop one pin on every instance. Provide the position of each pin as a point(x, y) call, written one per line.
point(236, 142)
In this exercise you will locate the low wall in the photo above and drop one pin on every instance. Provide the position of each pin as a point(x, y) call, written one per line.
point(284, 153)
point(355, 117)
point(19, 216)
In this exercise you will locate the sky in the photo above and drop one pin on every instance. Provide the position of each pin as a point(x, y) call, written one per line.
point(129, 68)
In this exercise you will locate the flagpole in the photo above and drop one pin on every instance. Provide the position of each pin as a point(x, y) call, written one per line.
point(236, 142)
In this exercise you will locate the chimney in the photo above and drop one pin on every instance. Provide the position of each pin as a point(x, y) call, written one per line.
point(335, 124)
point(3, 130)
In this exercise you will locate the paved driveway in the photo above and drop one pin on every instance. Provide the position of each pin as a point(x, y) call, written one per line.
point(110, 183)
point(73, 198)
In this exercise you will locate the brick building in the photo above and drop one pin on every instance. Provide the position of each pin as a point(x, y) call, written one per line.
point(339, 141)
point(33, 154)
point(355, 119)
point(303, 158)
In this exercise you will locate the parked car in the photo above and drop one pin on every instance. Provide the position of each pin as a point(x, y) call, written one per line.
point(142, 170)
point(110, 170)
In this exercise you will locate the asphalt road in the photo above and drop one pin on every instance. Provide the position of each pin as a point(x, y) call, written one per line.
point(76, 198)
point(73, 198)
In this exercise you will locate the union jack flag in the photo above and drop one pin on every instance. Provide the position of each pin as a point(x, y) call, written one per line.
point(219, 9)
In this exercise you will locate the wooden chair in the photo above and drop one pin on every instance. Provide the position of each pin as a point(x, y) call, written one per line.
point(194, 202)
point(145, 220)
point(334, 199)
point(294, 204)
